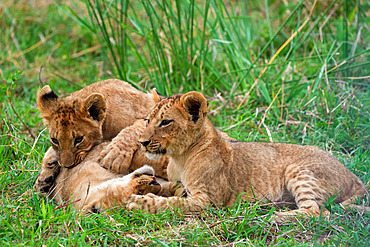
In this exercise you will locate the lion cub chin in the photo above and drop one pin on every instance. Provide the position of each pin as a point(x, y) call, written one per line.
point(215, 170)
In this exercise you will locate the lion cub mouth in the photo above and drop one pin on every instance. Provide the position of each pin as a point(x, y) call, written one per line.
point(154, 153)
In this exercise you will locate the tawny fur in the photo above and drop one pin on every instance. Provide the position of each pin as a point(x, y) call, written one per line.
point(89, 186)
point(51, 172)
point(214, 170)
point(97, 112)
point(89, 116)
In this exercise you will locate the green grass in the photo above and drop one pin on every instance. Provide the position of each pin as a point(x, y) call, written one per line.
point(315, 91)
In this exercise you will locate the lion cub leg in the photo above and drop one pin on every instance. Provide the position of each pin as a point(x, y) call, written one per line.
point(195, 201)
point(306, 191)
point(117, 156)
point(48, 173)
point(116, 192)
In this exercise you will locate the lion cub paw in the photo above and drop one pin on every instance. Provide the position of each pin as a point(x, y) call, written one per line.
point(49, 171)
point(173, 189)
point(180, 190)
point(116, 157)
point(116, 192)
point(143, 202)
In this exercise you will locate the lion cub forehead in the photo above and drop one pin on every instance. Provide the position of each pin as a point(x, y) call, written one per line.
point(67, 107)
point(66, 113)
point(164, 105)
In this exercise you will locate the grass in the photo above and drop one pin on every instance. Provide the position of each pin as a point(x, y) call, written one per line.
point(289, 71)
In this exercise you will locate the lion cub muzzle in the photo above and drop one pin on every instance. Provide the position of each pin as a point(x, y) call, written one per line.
point(66, 159)
point(152, 147)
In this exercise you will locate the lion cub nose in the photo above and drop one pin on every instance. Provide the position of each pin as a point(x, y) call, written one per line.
point(144, 143)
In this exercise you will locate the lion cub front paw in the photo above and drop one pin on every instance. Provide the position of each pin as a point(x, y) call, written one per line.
point(142, 202)
point(116, 157)
point(116, 192)
point(49, 171)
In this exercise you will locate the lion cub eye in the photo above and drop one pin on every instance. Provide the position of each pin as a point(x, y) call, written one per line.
point(147, 121)
point(165, 123)
point(78, 140)
point(54, 141)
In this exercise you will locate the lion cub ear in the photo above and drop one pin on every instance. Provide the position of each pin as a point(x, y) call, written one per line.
point(156, 96)
point(94, 107)
point(195, 104)
point(46, 100)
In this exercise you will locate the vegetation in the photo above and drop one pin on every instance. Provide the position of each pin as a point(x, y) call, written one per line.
point(281, 71)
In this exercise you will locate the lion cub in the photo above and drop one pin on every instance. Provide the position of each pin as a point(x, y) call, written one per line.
point(87, 117)
point(214, 170)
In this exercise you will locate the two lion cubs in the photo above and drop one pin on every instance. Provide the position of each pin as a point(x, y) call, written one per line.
point(215, 169)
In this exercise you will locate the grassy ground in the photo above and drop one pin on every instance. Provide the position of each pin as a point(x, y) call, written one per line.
point(281, 71)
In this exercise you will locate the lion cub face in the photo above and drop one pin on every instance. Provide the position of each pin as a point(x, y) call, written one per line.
point(174, 124)
point(75, 125)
